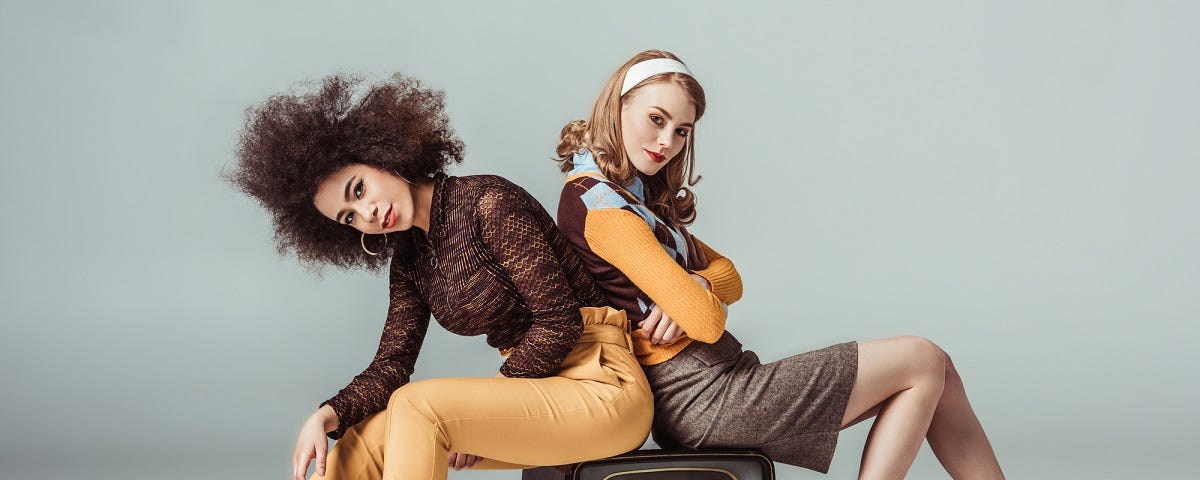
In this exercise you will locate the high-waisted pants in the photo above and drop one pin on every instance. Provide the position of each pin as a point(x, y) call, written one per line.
point(597, 405)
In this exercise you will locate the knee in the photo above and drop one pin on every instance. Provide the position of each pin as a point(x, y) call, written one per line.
point(927, 361)
point(951, 373)
point(952, 377)
point(412, 397)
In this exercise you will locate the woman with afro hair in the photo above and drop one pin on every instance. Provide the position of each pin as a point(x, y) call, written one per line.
point(357, 181)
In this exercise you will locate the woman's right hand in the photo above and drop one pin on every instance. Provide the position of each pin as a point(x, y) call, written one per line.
point(459, 461)
point(312, 443)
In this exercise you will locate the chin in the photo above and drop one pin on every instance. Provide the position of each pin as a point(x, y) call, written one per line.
point(652, 171)
point(648, 170)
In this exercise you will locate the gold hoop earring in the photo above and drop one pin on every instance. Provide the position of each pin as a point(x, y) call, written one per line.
point(402, 177)
point(362, 240)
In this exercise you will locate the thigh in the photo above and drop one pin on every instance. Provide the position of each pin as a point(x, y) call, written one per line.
point(790, 409)
point(547, 421)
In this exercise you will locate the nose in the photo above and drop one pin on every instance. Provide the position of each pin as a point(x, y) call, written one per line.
point(666, 138)
point(367, 211)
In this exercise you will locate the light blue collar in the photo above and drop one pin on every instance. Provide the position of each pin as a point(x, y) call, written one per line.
point(583, 162)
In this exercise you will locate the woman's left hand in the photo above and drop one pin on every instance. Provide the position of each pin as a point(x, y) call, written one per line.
point(459, 461)
point(658, 327)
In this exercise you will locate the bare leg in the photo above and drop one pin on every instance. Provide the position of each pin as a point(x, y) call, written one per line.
point(957, 438)
point(903, 377)
point(954, 432)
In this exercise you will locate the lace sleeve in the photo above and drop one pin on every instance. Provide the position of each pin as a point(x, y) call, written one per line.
point(403, 333)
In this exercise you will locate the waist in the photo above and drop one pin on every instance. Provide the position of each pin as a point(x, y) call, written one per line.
point(605, 325)
point(600, 325)
point(651, 354)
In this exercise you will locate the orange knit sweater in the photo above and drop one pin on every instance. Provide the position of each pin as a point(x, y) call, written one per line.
point(639, 261)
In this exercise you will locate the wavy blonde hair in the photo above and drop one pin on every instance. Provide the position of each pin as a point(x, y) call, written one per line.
point(667, 193)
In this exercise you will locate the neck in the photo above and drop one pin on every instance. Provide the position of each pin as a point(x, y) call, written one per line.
point(422, 204)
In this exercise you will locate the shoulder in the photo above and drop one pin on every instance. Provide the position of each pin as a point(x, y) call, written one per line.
point(497, 200)
point(490, 192)
point(587, 192)
point(486, 184)
point(586, 196)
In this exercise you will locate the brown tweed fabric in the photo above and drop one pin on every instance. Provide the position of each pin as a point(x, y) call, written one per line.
point(719, 396)
point(492, 263)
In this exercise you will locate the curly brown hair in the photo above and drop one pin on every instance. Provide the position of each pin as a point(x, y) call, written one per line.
point(292, 141)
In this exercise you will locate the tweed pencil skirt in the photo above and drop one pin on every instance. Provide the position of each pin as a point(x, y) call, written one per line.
point(720, 396)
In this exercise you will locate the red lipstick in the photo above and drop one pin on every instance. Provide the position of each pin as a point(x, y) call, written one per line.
point(656, 157)
point(389, 220)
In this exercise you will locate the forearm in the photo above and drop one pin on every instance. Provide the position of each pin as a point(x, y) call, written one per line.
point(544, 346)
point(622, 239)
point(519, 234)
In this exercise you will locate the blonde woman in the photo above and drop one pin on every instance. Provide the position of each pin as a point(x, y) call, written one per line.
point(626, 205)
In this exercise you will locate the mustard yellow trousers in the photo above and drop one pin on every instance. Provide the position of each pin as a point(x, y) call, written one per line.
point(598, 405)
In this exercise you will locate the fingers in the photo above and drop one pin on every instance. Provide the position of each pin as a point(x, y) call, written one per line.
point(660, 330)
point(322, 448)
point(673, 334)
point(647, 326)
point(459, 461)
point(300, 462)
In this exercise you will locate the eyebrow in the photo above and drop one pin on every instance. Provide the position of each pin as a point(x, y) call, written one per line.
point(346, 194)
point(668, 115)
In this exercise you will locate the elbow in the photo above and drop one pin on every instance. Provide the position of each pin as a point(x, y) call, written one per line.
point(725, 281)
point(709, 338)
point(715, 327)
point(729, 292)
point(734, 292)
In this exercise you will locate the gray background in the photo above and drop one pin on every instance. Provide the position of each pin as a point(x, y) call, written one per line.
point(1016, 180)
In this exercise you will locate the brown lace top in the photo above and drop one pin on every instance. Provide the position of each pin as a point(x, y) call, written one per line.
point(492, 263)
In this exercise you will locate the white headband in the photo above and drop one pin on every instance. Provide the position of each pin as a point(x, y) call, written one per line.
point(649, 68)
